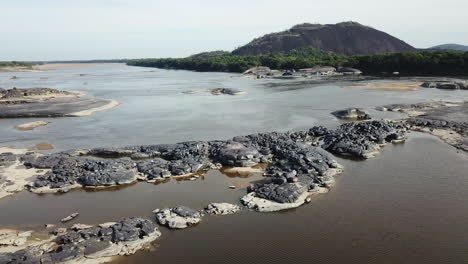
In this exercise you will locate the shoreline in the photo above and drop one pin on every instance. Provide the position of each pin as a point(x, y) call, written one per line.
point(88, 112)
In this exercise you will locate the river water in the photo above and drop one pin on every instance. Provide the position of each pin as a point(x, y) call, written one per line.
point(408, 205)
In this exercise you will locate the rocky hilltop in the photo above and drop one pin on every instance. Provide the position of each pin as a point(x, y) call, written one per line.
point(349, 38)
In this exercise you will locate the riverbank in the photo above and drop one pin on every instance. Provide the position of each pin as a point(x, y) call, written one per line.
point(45, 102)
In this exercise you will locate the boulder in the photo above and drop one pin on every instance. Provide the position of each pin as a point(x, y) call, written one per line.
point(352, 113)
point(178, 217)
point(235, 154)
point(222, 208)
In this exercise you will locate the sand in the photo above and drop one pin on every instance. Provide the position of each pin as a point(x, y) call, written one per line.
point(31, 125)
point(391, 87)
point(110, 105)
point(56, 66)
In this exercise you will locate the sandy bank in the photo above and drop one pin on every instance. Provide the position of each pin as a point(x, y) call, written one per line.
point(57, 66)
point(392, 87)
point(31, 125)
point(45, 102)
point(110, 105)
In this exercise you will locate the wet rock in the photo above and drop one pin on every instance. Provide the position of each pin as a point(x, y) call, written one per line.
point(352, 113)
point(222, 208)
point(178, 217)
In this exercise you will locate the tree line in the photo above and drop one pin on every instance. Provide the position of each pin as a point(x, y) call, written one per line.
point(423, 63)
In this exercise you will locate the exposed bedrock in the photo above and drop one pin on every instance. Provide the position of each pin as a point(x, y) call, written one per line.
point(222, 208)
point(446, 120)
point(352, 114)
point(178, 217)
point(95, 244)
point(363, 140)
point(297, 165)
point(448, 85)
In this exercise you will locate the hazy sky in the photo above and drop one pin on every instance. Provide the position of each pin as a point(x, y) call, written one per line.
point(92, 29)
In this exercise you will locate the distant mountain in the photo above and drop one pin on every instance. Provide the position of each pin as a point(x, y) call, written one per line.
point(349, 38)
point(455, 47)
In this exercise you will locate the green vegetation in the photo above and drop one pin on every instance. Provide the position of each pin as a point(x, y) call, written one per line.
point(447, 63)
point(14, 64)
point(295, 59)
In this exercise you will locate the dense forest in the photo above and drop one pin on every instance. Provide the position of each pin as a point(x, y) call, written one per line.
point(295, 59)
point(423, 63)
point(14, 64)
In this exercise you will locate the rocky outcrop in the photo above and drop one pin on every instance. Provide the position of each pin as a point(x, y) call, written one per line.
point(94, 244)
point(30, 92)
point(222, 208)
point(446, 120)
point(446, 85)
point(228, 91)
point(363, 140)
point(297, 166)
point(349, 38)
point(178, 217)
point(352, 113)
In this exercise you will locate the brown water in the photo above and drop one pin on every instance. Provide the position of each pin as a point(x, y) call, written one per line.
point(406, 206)
point(409, 205)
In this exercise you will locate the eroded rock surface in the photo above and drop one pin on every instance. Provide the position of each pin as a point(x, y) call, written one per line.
point(352, 113)
point(222, 208)
point(178, 217)
point(89, 245)
point(446, 120)
point(363, 140)
point(297, 165)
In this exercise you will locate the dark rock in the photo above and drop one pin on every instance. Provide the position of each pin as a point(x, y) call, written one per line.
point(449, 85)
point(185, 211)
point(362, 139)
point(281, 193)
point(7, 159)
point(235, 154)
point(228, 91)
point(352, 113)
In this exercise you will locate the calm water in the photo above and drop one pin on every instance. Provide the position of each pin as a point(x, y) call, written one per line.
point(406, 206)
point(154, 110)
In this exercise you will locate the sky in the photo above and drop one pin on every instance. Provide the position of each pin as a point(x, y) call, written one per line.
point(37, 30)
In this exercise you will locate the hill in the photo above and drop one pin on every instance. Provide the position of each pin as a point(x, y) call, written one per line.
point(455, 47)
point(348, 38)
